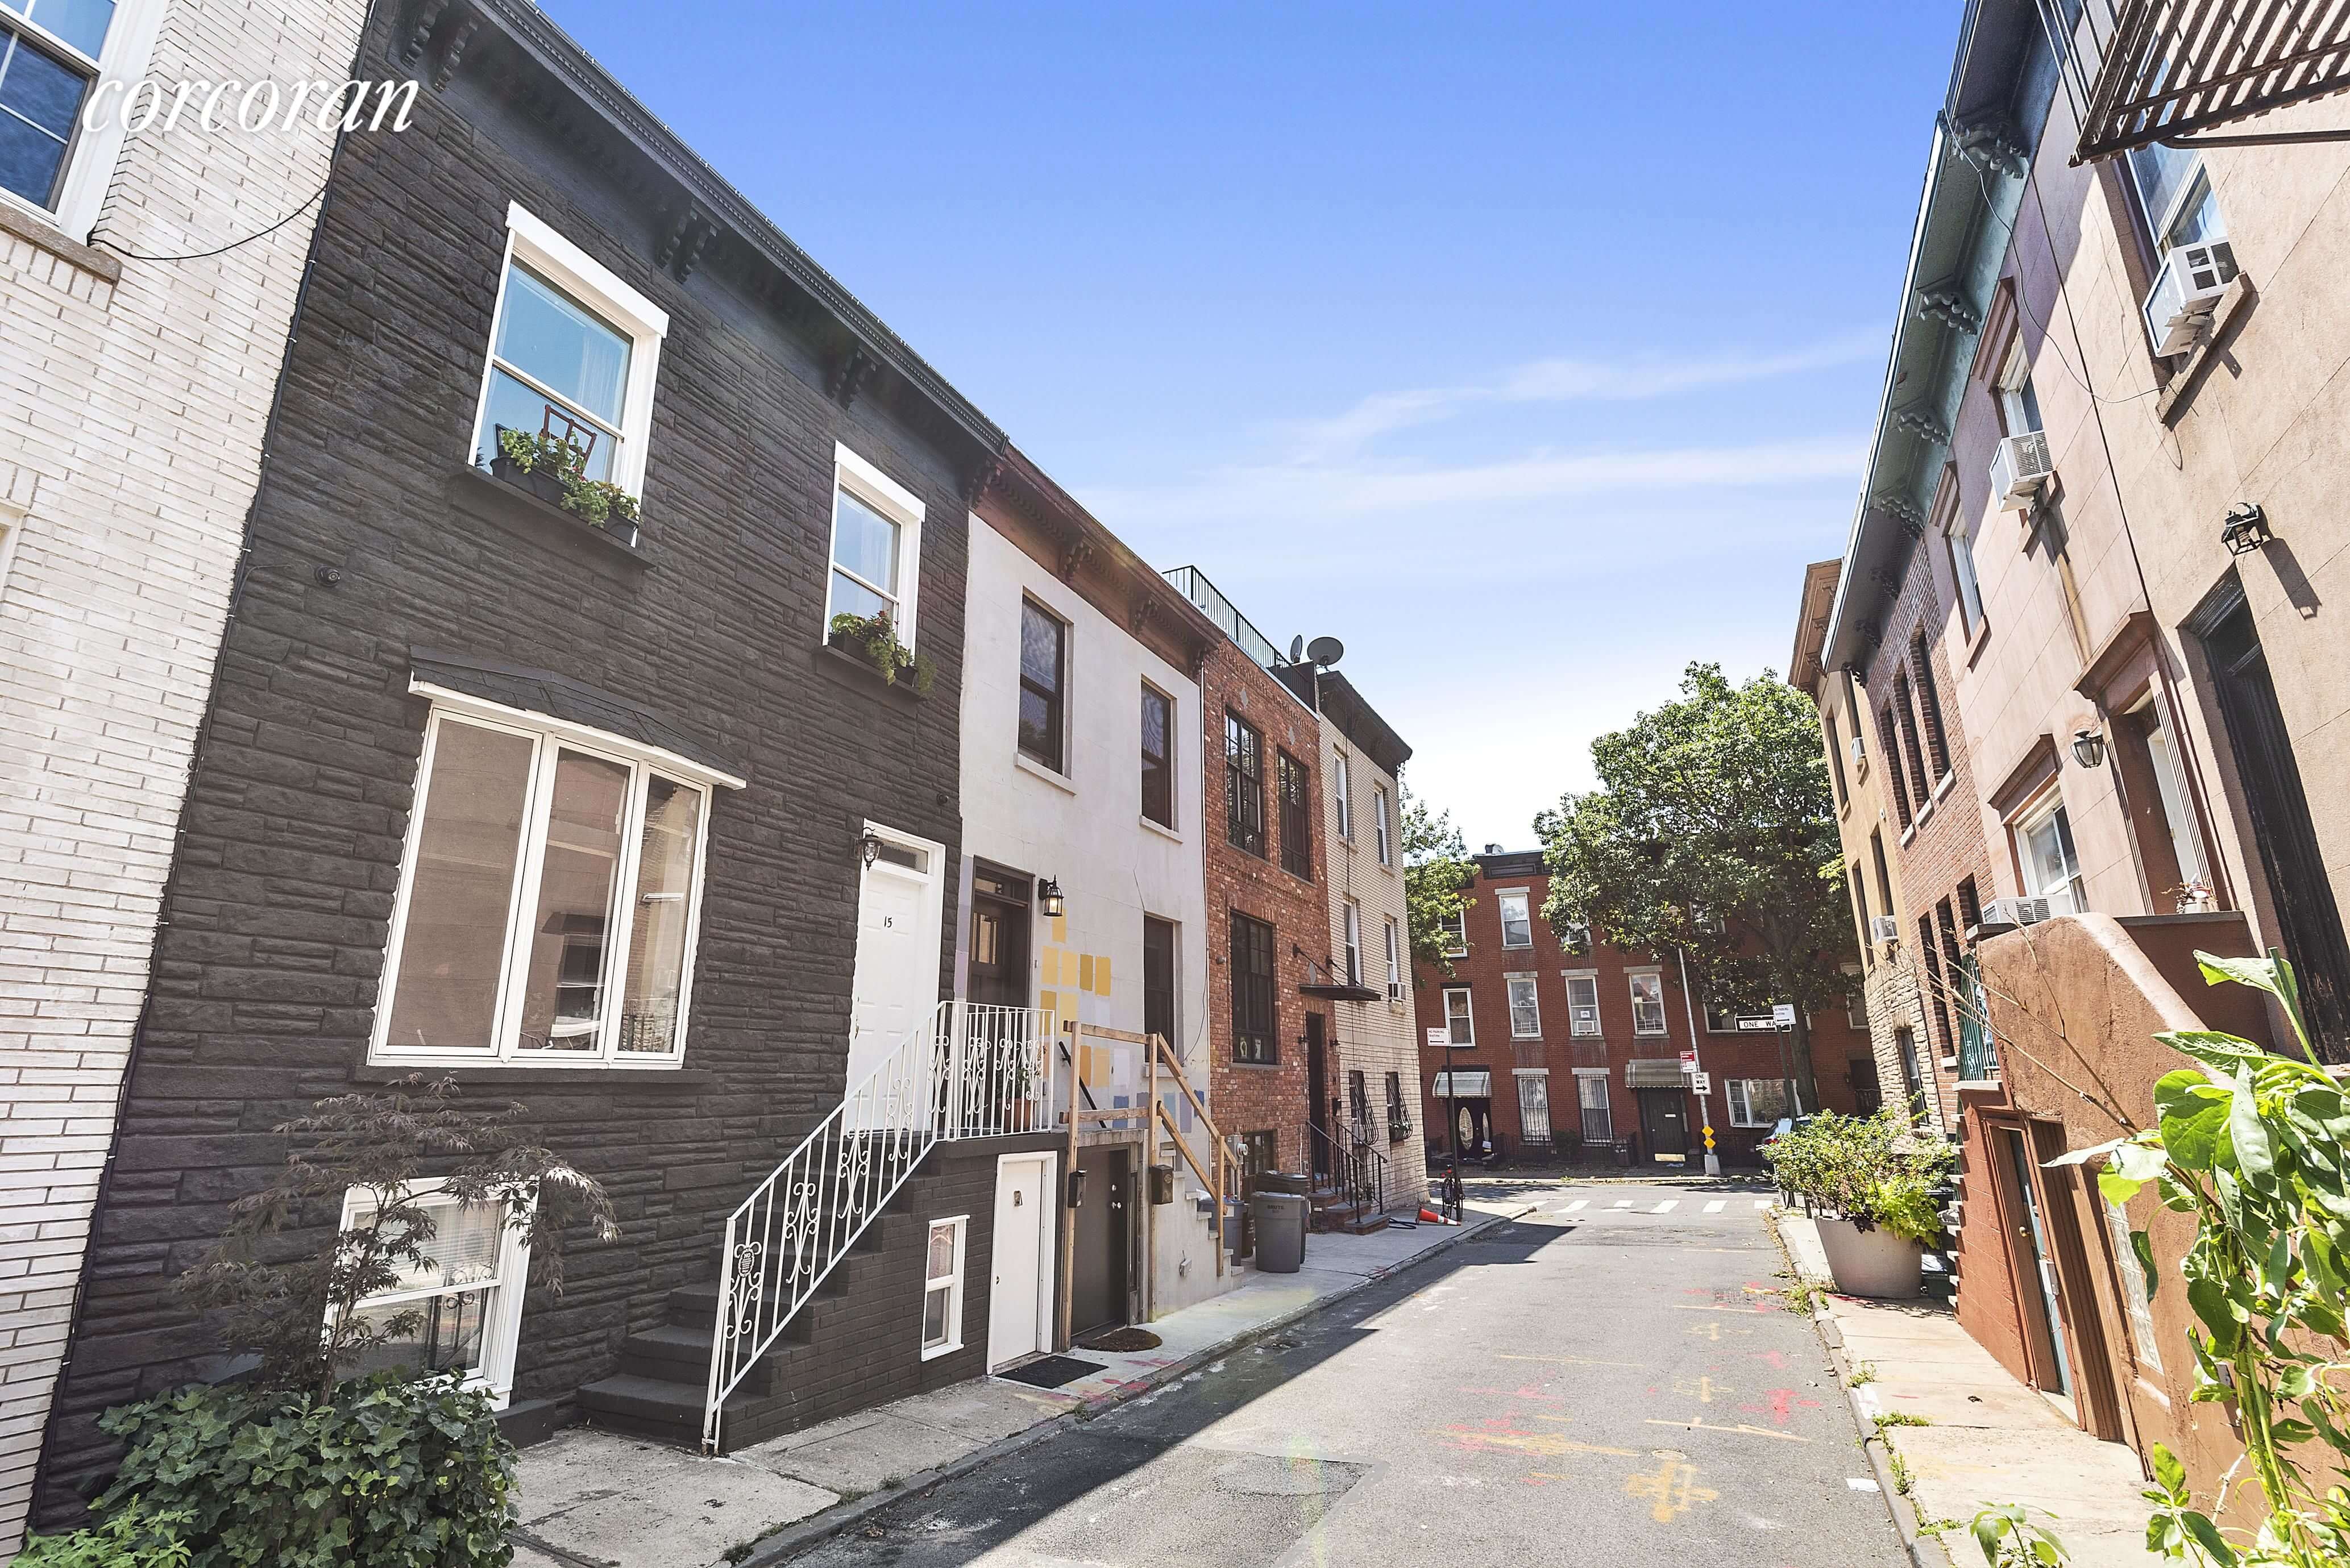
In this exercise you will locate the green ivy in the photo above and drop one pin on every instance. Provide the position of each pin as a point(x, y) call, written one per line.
point(387, 1472)
point(135, 1536)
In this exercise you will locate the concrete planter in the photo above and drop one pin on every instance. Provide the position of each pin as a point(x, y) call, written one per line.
point(1872, 1262)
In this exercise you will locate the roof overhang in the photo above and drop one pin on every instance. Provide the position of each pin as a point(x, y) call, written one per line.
point(1086, 542)
point(1812, 623)
point(2171, 69)
point(1333, 696)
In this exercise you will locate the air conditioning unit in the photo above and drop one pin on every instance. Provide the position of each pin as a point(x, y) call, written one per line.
point(2015, 911)
point(1587, 1018)
point(2020, 468)
point(1884, 928)
point(1395, 991)
point(2179, 306)
point(1859, 752)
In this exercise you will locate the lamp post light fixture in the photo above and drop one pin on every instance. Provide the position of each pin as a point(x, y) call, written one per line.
point(869, 847)
point(2089, 747)
point(1049, 899)
point(2246, 530)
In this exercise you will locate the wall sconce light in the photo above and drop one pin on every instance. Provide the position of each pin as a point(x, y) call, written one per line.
point(2246, 530)
point(1049, 899)
point(2089, 747)
point(870, 848)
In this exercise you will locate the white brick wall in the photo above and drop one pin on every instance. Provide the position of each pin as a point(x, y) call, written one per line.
point(136, 409)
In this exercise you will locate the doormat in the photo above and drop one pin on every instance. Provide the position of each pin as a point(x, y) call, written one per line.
point(1051, 1371)
point(1121, 1339)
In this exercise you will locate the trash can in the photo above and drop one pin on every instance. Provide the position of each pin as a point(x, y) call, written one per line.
point(1299, 1182)
point(1280, 1231)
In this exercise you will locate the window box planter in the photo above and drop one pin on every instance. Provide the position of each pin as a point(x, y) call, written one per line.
point(874, 644)
point(1398, 1131)
point(542, 483)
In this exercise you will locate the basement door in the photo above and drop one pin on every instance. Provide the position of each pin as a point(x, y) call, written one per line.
point(896, 985)
point(1097, 1278)
point(1020, 1283)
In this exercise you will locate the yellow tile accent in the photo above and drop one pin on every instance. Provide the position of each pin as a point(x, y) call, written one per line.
point(1085, 971)
point(1049, 1003)
point(1048, 966)
point(1060, 927)
point(1101, 975)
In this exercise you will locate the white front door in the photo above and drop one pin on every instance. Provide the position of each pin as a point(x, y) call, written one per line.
point(1020, 1278)
point(896, 985)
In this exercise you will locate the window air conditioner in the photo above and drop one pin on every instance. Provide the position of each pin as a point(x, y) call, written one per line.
point(2179, 306)
point(1395, 991)
point(1884, 928)
point(1587, 1018)
point(1859, 752)
point(2019, 469)
point(2015, 911)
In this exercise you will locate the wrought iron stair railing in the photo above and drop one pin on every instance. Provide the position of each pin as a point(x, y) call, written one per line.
point(970, 1071)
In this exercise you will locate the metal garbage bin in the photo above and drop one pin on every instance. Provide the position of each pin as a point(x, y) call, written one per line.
point(1280, 1231)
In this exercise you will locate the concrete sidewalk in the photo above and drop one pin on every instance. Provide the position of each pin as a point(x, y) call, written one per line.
point(1986, 1439)
point(593, 1499)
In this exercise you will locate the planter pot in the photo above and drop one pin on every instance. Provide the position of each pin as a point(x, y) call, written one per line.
point(1872, 1262)
point(546, 486)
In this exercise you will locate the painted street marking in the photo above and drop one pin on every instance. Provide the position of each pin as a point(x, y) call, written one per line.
point(1717, 1205)
point(1671, 1490)
point(1667, 1207)
point(1574, 1360)
point(1741, 1428)
point(1621, 1203)
point(1684, 1306)
point(1761, 1203)
point(1579, 1204)
point(1541, 1443)
point(1702, 1390)
point(1712, 1332)
point(1783, 1402)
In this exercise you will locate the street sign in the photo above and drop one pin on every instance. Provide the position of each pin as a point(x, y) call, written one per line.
point(1440, 1038)
point(1702, 1084)
point(1689, 1060)
point(1782, 1015)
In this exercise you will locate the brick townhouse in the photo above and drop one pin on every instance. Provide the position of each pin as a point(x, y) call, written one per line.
point(136, 396)
point(1555, 1044)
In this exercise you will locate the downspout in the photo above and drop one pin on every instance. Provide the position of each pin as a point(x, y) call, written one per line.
point(1689, 1006)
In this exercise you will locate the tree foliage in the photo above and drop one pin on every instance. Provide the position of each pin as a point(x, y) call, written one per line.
point(1436, 876)
point(1712, 832)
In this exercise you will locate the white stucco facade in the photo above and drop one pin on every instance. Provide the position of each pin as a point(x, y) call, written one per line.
point(135, 394)
point(1084, 827)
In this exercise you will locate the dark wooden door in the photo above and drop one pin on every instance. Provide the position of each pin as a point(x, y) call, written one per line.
point(1664, 1123)
point(999, 939)
point(1317, 1094)
point(1098, 1283)
point(1867, 1095)
point(1159, 980)
point(2309, 922)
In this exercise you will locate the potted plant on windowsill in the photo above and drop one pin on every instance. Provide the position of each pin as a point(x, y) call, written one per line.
point(550, 468)
point(1871, 1179)
point(873, 641)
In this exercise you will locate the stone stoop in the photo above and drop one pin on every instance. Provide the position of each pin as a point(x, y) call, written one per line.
point(1331, 1211)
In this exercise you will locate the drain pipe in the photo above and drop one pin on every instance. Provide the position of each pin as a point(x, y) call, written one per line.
point(1712, 1156)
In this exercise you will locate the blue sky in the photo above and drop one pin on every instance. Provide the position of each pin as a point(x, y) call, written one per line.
point(1529, 349)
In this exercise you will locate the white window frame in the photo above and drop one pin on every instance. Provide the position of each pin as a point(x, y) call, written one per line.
point(1577, 939)
point(1959, 540)
point(1351, 924)
point(501, 1330)
point(1510, 983)
point(1574, 1025)
point(1383, 824)
point(1632, 979)
point(1395, 958)
point(2014, 375)
point(900, 505)
point(1525, 897)
point(549, 737)
point(1173, 828)
point(1586, 1079)
point(595, 289)
point(2043, 811)
point(91, 154)
point(1458, 926)
point(953, 1286)
point(1468, 1016)
point(1342, 791)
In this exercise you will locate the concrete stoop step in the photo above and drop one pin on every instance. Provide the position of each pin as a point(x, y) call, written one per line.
point(1331, 1211)
point(657, 1390)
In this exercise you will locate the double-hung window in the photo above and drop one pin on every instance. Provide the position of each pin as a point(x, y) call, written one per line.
point(1582, 1004)
point(456, 1310)
point(1353, 921)
point(1342, 792)
point(1456, 933)
point(1044, 674)
point(1460, 1022)
point(942, 1287)
point(1158, 756)
point(1243, 784)
point(1517, 924)
point(1253, 1026)
point(1395, 960)
point(1647, 1003)
point(1383, 824)
point(2174, 194)
point(2043, 844)
point(877, 546)
point(54, 55)
point(1296, 816)
point(550, 902)
point(1756, 1102)
point(573, 355)
point(1525, 1008)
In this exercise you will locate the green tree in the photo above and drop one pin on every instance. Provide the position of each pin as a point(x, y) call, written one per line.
point(1712, 833)
point(1437, 874)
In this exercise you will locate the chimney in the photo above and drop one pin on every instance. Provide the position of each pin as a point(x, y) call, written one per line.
point(1492, 849)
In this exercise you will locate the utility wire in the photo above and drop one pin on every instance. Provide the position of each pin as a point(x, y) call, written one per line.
point(201, 256)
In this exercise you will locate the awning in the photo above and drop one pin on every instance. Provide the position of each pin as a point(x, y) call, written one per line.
point(1653, 1073)
point(2172, 67)
point(1464, 1084)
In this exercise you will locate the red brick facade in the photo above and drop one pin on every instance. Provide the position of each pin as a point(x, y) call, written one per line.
point(1247, 1097)
point(1842, 1067)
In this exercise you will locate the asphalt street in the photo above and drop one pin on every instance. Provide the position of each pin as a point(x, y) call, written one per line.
point(1610, 1379)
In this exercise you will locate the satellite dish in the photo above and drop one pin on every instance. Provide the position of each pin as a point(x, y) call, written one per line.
point(1297, 648)
point(1326, 651)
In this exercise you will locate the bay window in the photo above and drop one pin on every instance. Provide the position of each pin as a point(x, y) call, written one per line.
point(549, 899)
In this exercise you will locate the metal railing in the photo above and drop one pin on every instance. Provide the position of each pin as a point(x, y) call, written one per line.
point(970, 1071)
point(1357, 1166)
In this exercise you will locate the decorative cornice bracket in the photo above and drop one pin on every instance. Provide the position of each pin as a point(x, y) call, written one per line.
point(845, 375)
point(1948, 303)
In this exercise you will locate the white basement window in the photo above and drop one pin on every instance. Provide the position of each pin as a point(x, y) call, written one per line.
point(942, 1287)
point(459, 1310)
point(877, 546)
point(549, 898)
point(573, 354)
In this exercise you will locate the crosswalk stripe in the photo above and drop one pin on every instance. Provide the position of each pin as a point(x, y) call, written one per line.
point(1717, 1205)
point(1667, 1207)
point(1761, 1203)
point(1621, 1203)
point(1579, 1204)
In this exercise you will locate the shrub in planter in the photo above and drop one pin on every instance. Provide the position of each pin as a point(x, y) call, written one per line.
point(1869, 1171)
point(873, 640)
point(551, 469)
